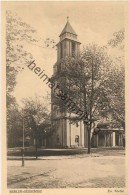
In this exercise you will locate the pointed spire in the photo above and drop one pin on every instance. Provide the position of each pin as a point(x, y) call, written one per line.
point(68, 28)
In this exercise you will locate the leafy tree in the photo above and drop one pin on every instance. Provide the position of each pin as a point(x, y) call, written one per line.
point(13, 125)
point(117, 40)
point(37, 113)
point(117, 77)
point(16, 57)
point(84, 78)
point(116, 95)
point(18, 34)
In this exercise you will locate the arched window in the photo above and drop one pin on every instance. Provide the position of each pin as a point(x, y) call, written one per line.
point(77, 139)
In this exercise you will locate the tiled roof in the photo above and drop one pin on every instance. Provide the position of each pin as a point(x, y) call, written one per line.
point(68, 29)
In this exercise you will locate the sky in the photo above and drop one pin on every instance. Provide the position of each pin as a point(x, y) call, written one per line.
point(92, 21)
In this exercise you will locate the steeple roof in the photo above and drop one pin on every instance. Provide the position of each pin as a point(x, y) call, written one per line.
point(68, 29)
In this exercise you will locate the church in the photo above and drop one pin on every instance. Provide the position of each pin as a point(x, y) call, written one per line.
point(66, 133)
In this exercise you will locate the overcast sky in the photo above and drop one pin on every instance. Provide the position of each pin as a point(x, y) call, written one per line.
point(92, 21)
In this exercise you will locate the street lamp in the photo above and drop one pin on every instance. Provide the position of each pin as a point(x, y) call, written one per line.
point(23, 134)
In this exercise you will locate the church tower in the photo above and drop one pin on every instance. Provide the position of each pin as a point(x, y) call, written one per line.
point(65, 134)
point(68, 45)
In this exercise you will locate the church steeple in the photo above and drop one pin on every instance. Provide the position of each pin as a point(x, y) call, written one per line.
point(68, 29)
point(68, 45)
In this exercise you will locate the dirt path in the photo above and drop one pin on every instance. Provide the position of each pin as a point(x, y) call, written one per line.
point(103, 171)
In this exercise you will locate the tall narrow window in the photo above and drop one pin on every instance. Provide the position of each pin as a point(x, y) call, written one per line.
point(58, 139)
point(61, 50)
point(73, 49)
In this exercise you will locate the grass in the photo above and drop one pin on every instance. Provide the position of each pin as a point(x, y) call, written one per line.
point(59, 152)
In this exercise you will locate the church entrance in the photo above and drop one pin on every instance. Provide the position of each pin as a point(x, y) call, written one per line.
point(101, 139)
point(108, 139)
point(77, 140)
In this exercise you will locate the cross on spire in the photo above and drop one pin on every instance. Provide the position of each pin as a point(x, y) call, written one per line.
point(67, 18)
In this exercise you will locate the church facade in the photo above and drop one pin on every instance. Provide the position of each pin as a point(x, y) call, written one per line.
point(67, 132)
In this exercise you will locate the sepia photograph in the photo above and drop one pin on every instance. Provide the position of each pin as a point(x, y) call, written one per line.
point(65, 96)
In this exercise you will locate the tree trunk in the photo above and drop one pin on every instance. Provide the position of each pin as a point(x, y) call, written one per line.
point(89, 140)
point(36, 149)
point(85, 136)
point(36, 146)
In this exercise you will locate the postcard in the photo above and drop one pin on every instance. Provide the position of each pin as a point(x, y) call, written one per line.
point(65, 97)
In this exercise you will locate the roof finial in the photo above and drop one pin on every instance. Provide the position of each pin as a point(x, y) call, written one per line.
point(67, 18)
